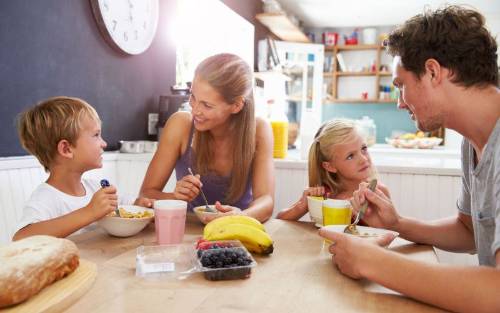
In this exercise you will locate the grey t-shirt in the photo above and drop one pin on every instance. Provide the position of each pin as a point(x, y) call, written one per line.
point(480, 195)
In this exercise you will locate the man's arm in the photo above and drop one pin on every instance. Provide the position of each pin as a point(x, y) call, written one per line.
point(455, 288)
point(451, 234)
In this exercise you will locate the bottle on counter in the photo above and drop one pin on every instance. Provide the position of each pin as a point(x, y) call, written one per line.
point(279, 124)
point(369, 129)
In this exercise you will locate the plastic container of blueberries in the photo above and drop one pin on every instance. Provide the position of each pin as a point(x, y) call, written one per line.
point(235, 272)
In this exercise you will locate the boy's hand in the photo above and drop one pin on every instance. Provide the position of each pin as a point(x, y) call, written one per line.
point(144, 202)
point(105, 200)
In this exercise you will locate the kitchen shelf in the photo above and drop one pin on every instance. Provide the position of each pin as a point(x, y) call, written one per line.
point(336, 74)
point(355, 74)
point(281, 26)
point(352, 47)
point(360, 101)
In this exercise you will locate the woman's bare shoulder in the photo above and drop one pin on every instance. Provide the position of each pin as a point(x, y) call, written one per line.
point(262, 127)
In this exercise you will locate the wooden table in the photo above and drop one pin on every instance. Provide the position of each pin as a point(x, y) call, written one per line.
point(298, 277)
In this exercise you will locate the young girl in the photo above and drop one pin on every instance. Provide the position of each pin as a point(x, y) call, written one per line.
point(338, 163)
point(228, 149)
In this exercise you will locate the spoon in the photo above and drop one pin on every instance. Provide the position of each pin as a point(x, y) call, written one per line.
point(104, 184)
point(207, 207)
point(351, 228)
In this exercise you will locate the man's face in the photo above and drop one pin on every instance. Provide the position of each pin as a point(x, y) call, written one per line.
point(416, 96)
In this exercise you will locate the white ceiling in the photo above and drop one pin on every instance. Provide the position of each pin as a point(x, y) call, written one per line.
point(348, 13)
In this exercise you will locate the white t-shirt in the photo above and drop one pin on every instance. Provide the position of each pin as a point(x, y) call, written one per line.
point(47, 202)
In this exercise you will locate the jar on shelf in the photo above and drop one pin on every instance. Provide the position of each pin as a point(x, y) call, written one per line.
point(368, 129)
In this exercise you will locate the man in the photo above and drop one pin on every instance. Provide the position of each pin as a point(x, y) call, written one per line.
point(445, 67)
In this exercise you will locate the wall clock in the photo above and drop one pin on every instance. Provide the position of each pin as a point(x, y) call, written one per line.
point(127, 25)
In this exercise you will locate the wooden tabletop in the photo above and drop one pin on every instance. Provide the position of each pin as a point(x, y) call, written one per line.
point(298, 277)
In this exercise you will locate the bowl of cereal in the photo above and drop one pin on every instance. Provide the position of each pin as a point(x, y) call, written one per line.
point(363, 231)
point(206, 216)
point(131, 221)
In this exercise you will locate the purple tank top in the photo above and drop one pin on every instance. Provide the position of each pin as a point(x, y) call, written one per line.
point(214, 186)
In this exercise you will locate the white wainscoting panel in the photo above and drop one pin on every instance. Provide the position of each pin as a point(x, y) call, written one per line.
point(19, 176)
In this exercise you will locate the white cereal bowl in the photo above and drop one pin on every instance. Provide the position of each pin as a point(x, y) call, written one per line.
point(364, 231)
point(315, 207)
point(205, 216)
point(125, 226)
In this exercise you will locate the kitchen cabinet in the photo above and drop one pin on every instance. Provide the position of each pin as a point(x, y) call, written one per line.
point(345, 66)
point(281, 26)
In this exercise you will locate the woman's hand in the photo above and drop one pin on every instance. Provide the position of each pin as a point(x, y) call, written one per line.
point(222, 210)
point(187, 188)
point(380, 212)
point(144, 202)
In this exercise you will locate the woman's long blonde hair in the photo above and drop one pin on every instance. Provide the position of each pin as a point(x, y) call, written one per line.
point(331, 133)
point(232, 78)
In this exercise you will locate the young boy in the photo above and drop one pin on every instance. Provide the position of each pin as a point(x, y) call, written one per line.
point(65, 135)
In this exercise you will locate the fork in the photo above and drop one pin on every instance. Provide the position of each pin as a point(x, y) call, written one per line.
point(207, 207)
point(351, 228)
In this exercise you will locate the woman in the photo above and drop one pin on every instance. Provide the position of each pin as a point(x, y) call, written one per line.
point(221, 140)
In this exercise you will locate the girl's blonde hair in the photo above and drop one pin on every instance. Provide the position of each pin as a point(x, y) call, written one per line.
point(331, 133)
point(41, 127)
point(232, 78)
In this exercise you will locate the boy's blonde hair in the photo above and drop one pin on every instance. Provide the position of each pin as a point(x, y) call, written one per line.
point(43, 126)
point(331, 133)
point(232, 78)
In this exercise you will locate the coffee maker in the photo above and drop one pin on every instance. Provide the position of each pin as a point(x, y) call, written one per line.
point(169, 104)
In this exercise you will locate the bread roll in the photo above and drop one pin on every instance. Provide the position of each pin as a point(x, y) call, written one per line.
point(30, 264)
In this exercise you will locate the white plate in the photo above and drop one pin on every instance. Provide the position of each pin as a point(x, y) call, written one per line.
point(365, 231)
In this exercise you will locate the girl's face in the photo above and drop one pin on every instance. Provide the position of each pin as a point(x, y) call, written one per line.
point(209, 109)
point(350, 160)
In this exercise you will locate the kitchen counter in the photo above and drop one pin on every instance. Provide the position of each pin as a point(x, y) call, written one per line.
point(297, 277)
point(387, 159)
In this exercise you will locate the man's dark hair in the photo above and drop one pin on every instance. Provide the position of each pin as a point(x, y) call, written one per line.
point(454, 36)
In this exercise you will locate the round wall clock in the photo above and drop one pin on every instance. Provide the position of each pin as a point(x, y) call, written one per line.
point(127, 25)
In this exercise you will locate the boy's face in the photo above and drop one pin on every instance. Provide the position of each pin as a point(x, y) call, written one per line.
point(350, 160)
point(88, 149)
point(417, 97)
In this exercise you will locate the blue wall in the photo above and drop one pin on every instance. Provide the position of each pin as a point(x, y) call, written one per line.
point(387, 117)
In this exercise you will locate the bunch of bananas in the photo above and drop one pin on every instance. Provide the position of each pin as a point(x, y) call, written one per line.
point(246, 229)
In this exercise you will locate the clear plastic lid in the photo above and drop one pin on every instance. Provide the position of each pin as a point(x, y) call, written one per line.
point(218, 260)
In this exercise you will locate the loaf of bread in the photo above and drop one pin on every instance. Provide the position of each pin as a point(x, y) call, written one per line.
point(30, 264)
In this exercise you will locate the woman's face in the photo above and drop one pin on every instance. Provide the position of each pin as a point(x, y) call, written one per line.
point(350, 160)
point(210, 111)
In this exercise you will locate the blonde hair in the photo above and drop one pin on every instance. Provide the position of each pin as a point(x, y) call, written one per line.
point(331, 133)
point(232, 78)
point(43, 126)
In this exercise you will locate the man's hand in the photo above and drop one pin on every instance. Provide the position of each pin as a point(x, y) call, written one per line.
point(352, 254)
point(380, 213)
point(144, 202)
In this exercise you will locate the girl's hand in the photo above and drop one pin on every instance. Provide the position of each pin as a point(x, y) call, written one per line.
point(318, 191)
point(380, 212)
point(187, 188)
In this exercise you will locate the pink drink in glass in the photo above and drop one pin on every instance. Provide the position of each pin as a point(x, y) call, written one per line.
point(170, 221)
